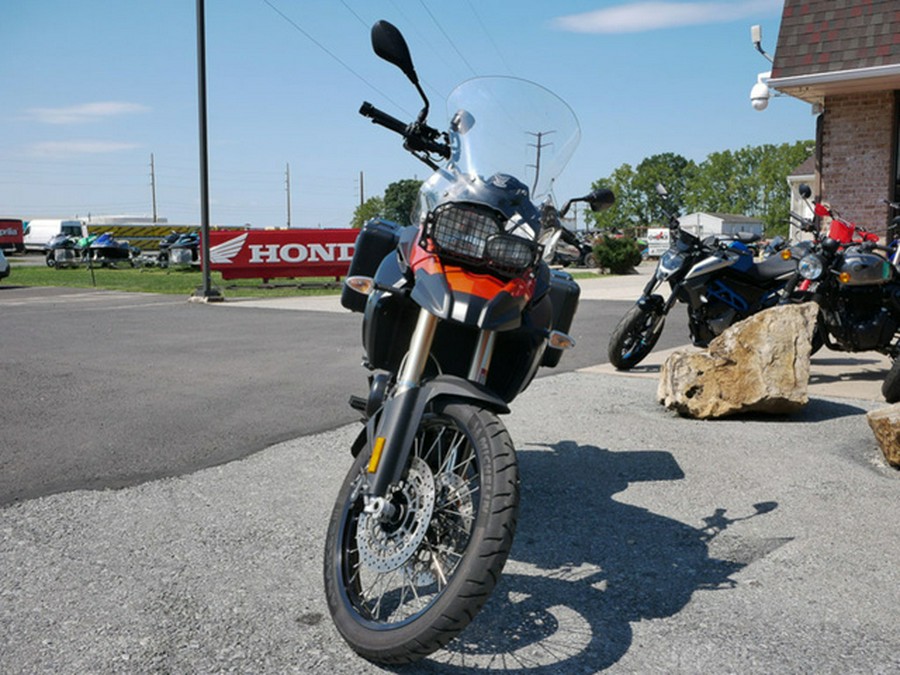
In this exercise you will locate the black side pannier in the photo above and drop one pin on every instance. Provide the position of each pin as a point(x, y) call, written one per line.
point(377, 239)
point(564, 292)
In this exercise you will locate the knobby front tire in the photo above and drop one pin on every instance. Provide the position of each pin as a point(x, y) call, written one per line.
point(634, 338)
point(402, 589)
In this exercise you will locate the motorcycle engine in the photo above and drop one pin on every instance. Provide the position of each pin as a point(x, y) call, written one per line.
point(709, 321)
point(860, 321)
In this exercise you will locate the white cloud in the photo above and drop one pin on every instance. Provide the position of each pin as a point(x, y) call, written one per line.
point(86, 112)
point(86, 147)
point(642, 16)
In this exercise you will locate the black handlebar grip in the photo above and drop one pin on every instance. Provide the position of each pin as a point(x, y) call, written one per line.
point(382, 118)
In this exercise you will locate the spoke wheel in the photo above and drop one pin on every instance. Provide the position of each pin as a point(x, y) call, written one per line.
point(401, 587)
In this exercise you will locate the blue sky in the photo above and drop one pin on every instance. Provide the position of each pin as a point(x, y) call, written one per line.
point(91, 88)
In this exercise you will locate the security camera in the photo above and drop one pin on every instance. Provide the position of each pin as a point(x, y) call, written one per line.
point(760, 93)
point(759, 96)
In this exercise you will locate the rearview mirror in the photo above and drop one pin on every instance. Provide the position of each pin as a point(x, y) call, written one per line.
point(805, 191)
point(661, 190)
point(600, 199)
point(389, 44)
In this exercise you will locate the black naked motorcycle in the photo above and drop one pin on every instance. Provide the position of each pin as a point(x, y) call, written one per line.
point(716, 277)
point(459, 313)
point(855, 282)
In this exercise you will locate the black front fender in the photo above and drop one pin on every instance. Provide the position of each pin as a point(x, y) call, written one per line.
point(397, 423)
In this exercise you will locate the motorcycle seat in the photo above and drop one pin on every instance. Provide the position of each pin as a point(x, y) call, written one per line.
point(772, 267)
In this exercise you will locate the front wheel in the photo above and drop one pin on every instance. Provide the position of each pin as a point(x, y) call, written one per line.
point(890, 388)
point(402, 587)
point(634, 337)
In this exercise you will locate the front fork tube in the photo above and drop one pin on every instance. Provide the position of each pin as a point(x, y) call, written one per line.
point(481, 359)
point(419, 349)
point(393, 431)
point(651, 302)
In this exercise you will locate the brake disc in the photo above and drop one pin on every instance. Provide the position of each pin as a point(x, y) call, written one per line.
point(385, 545)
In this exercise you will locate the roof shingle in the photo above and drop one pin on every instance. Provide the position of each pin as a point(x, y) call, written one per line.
point(822, 36)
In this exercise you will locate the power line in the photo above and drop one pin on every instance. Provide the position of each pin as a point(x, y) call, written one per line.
point(333, 55)
point(353, 12)
point(444, 33)
point(489, 36)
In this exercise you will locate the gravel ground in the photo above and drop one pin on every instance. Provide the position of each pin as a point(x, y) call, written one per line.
point(646, 543)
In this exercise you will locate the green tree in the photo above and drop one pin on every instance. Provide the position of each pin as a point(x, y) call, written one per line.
point(672, 171)
point(371, 208)
point(712, 186)
point(773, 192)
point(399, 199)
point(750, 181)
point(620, 215)
point(638, 205)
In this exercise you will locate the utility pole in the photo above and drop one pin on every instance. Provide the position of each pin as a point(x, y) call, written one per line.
point(287, 184)
point(206, 293)
point(537, 165)
point(361, 193)
point(153, 186)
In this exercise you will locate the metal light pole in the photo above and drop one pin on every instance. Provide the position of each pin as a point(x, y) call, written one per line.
point(206, 293)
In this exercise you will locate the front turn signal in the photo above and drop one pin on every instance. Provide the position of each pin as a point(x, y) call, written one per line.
point(786, 254)
point(559, 340)
point(360, 284)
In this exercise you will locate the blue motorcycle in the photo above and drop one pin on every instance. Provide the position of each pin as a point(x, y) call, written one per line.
point(717, 278)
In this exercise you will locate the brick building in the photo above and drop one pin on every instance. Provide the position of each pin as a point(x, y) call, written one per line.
point(843, 57)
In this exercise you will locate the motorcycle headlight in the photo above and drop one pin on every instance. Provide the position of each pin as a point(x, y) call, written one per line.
point(463, 230)
point(669, 263)
point(474, 234)
point(509, 252)
point(811, 267)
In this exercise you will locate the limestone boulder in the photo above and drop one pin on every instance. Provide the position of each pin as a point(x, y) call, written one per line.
point(760, 364)
point(885, 424)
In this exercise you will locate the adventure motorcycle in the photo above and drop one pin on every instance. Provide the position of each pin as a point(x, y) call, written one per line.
point(717, 278)
point(857, 290)
point(459, 311)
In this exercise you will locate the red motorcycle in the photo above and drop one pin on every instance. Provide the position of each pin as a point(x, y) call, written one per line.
point(855, 282)
point(459, 313)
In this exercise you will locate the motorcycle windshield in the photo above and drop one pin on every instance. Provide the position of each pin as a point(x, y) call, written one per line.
point(505, 125)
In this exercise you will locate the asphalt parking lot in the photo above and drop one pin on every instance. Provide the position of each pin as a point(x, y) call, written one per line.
point(646, 543)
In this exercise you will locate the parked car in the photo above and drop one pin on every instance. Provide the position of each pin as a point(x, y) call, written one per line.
point(4, 265)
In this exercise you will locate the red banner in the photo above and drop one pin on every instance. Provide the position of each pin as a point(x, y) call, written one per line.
point(11, 234)
point(267, 254)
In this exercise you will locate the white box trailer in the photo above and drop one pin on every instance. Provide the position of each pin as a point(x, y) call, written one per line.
point(720, 224)
point(41, 230)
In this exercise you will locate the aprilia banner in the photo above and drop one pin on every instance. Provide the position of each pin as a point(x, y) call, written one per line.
point(267, 254)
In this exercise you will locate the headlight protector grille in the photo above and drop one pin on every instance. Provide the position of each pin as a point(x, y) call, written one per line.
point(474, 234)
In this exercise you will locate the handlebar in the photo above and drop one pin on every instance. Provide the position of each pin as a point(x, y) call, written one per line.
point(874, 246)
point(382, 118)
point(419, 137)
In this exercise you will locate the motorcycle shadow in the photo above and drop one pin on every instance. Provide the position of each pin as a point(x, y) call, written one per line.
point(585, 566)
point(856, 368)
